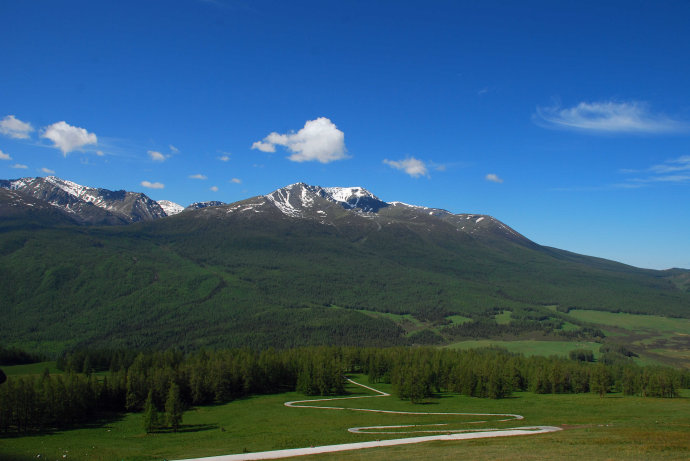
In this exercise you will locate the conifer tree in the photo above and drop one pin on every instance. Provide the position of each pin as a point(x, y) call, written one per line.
point(150, 414)
point(173, 407)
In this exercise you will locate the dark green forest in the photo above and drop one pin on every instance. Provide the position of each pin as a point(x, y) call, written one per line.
point(190, 281)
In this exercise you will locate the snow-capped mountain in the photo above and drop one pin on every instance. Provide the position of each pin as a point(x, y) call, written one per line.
point(88, 204)
point(198, 205)
point(170, 208)
point(337, 205)
point(332, 206)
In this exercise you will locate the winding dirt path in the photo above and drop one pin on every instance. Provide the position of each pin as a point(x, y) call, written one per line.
point(448, 434)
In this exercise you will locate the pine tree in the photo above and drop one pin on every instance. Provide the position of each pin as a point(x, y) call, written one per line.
point(173, 407)
point(150, 414)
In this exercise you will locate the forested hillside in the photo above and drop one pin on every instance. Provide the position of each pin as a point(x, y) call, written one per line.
point(220, 277)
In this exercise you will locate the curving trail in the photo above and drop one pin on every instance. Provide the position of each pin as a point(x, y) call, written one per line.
point(459, 434)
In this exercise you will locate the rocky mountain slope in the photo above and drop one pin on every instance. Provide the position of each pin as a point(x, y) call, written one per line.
point(331, 206)
point(87, 204)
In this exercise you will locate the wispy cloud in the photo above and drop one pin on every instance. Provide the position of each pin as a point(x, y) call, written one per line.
point(320, 140)
point(609, 117)
point(410, 165)
point(676, 170)
point(236, 181)
point(224, 158)
point(214, 188)
point(491, 177)
point(4, 156)
point(153, 185)
point(15, 128)
point(198, 176)
point(47, 170)
point(19, 166)
point(67, 137)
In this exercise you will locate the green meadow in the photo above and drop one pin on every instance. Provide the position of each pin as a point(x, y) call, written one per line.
point(530, 347)
point(30, 369)
point(657, 339)
point(613, 427)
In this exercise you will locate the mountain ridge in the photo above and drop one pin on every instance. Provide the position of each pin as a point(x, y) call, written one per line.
point(299, 200)
point(301, 265)
point(89, 204)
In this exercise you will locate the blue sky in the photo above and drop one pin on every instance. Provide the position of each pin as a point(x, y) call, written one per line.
point(568, 121)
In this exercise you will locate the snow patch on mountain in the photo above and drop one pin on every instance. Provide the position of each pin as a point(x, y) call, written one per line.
point(170, 208)
point(281, 200)
point(72, 188)
point(198, 205)
point(296, 199)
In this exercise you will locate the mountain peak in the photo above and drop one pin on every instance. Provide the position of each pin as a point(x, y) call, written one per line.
point(295, 198)
point(170, 208)
point(89, 204)
point(207, 204)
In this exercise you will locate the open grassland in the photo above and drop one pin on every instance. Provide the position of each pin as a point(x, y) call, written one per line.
point(613, 427)
point(656, 339)
point(30, 369)
point(633, 322)
point(531, 347)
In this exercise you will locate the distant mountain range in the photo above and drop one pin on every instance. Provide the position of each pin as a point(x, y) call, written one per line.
point(105, 207)
point(301, 265)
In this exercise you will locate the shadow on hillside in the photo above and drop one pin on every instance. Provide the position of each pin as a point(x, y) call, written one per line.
point(188, 428)
point(102, 422)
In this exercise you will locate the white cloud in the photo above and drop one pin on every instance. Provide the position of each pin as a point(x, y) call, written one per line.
point(410, 165)
point(198, 176)
point(320, 140)
point(225, 158)
point(4, 156)
point(156, 156)
point(100, 153)
point(47, 170)
point(153, 185)
point(67, 137)
point(236, 181)
point(15, 128)
point(174, 149)
point(609, 117)
point(214, 188)
point(20, 166)
point(264, 146)
point(491, 177)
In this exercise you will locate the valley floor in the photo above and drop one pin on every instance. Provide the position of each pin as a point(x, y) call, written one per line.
point(613, 427)
point(449, 433)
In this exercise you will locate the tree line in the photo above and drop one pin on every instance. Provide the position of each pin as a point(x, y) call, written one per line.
point(162, 385)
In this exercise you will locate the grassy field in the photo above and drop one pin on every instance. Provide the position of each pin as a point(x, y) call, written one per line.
point(531, 347)
point(633, 322)
point(661, 340)
point(30, 369)
point(613, 427)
